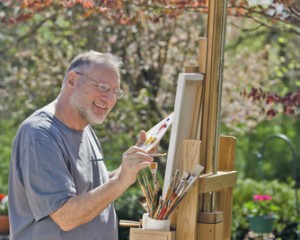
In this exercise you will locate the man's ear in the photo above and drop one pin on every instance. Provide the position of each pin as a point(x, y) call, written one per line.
point(71, 78)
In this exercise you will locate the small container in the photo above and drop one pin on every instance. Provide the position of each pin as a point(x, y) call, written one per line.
point(154, 224)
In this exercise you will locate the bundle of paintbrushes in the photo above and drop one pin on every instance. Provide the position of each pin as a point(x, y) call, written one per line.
point(150, 191)
point(162, 208)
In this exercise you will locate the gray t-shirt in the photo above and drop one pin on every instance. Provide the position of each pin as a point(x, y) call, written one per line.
point(50, 163)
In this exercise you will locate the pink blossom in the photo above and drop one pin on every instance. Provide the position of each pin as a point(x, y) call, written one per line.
point(259, 197)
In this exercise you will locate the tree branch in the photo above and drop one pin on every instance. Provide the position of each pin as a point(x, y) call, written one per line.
point(272, 27)
point(31, 32)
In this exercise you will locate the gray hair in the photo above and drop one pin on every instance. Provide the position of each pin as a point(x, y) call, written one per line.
point(92, 57)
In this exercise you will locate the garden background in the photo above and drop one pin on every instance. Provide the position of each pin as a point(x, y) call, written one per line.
point(156, 39)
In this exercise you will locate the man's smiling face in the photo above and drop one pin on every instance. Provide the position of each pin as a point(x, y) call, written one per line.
point(92, 104)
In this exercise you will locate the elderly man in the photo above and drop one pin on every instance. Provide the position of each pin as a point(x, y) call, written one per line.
point(58, 186)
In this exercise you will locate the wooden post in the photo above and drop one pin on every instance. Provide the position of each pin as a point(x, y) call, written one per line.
point(202, 57)
point(225, 196)
point(211, 94)
point(211, 231)
point(217, 225)
point(186, 212)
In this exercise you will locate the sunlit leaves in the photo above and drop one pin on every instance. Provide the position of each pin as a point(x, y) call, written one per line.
point(129, 12)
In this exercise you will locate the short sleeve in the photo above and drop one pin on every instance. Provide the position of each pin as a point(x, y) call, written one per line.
point(47, 180)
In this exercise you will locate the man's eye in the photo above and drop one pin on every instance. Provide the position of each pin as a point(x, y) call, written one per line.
point(104, 88)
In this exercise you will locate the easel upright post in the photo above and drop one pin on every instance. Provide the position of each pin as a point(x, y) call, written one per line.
point(186, 213)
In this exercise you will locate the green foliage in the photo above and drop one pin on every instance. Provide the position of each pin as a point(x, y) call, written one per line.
point(283, 196)
point(261, 205)
point(36, 53)
point(276, 152)
point(7, 132)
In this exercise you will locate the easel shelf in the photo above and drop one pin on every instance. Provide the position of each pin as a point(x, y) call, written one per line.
point(215, 182)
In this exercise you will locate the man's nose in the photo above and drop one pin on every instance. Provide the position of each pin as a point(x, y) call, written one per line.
point(110, 97)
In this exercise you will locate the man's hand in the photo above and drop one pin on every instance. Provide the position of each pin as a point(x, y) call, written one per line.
point(134, 159)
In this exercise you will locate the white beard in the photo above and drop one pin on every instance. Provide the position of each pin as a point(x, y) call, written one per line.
point(86, 113)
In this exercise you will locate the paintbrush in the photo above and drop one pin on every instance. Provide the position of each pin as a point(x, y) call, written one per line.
point(175, 195)
point(144, 204)
point(195, 175)
point(183, 189)
point(172, 186)
point(169, 194)
point(176, 180)
point(177, 190)
point(148, 188)
point(159, 208)
point(146, 195)
point(153, 200)
point(158, 154)
point(153, 169)
point(181, 185)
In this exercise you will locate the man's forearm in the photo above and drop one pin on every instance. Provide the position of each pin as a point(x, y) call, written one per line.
point(115, 173)
point(82, 209)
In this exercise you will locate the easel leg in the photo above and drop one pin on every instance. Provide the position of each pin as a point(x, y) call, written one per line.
point(210, 226)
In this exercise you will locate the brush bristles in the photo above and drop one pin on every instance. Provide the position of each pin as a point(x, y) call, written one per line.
point(153, 165)
point(162, 209)
point(198, 169)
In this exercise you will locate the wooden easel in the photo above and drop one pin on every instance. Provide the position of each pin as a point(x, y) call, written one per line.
point(206, 211)
point(192, 220)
